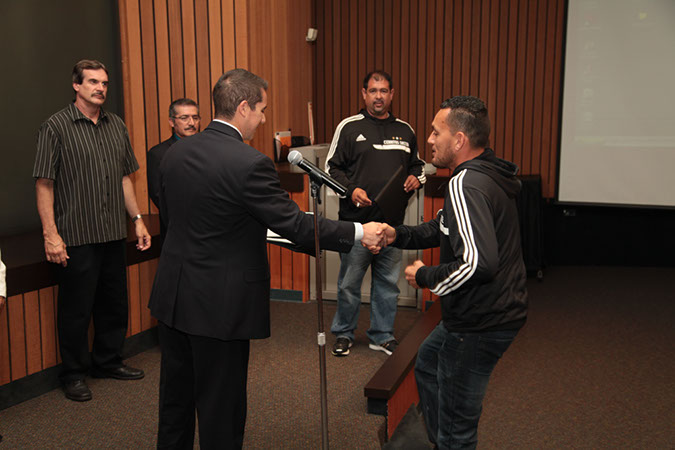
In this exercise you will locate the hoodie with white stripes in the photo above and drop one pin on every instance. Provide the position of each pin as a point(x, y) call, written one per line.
point(481, 276)
point(366, 152)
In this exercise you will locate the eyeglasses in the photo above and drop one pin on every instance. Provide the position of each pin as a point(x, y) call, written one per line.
point(187, 118)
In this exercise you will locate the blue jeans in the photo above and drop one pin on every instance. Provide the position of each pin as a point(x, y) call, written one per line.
point(452, 373)
point(384, 291)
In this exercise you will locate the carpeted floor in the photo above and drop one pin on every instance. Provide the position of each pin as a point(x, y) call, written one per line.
point(593, 368)
point(283, 392)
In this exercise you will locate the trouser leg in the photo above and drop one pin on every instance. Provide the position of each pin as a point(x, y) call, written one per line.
point(221, 371)
point(176, 390)
point(465, 363)
point(77, 290)
point(111, 310)
point(353, 266)
point(386, 268)
point(426, 376)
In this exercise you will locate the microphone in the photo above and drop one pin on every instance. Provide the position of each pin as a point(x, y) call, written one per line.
point(316, 174)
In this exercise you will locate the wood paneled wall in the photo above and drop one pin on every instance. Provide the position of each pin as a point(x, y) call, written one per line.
point(179, 48)
point(507, 52)
point(28, 335)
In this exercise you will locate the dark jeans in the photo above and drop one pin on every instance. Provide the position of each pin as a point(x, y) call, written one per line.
point(207, 375)
point(94, 283)
point(452, 373)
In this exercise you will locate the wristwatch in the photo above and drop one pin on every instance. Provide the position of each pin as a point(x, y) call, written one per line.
point(136, 217)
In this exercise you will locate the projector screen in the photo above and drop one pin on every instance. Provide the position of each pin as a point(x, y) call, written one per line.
point(618, 121)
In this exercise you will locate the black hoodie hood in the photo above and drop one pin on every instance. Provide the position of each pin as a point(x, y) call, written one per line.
point(503, 172)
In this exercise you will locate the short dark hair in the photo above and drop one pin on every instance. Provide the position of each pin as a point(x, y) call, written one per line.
point(86, 64)
point(181, 102)
point(235, 86)
point(470, 116)
point(378, 75)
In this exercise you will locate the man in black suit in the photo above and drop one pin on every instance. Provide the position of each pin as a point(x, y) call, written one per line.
point(184, 120)
point(211, 292)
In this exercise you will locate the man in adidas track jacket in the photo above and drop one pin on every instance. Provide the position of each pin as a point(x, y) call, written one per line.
point(480, 279)
point(366, 152)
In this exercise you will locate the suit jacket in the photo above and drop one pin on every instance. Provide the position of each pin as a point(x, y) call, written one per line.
point(218, 197)
point(154, 158)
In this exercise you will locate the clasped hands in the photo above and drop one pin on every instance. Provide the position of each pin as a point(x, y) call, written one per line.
point(376, 236)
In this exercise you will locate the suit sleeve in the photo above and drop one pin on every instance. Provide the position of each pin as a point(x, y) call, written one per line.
point(473, 239)
point(340, 159)
point(269, 203)
point(153, 176)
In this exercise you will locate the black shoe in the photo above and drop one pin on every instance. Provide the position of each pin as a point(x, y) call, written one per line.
point(77, 390)
point(388, 347)
point(341, 346)
point(119, 373)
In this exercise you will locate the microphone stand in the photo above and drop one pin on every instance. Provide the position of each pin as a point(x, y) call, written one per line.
point(321, 335)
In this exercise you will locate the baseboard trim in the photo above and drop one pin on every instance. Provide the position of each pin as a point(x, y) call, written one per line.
point(285, 295)
point(46, 380)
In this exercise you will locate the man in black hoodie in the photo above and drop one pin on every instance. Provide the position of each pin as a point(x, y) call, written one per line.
point(480, 279)
point(367, 150)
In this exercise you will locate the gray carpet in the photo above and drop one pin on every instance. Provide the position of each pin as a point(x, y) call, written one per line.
point(592, 368)
point(283, 393)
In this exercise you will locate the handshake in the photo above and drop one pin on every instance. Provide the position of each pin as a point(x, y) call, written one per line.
point(376, 236)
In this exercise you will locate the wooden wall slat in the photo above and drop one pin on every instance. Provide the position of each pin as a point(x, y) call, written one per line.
point(202, 36)
point(133, 287)
point(241, 20)
point(176, 49)
point(229, 49)
point(397, 37)
point(189, 48)
point(17, 337)
point(148, 46)
point(214, 19)
point(146, 272)
point(49, 350)
point(132, 73)
point(163, 59)
point(5, 355)
point(354, 44)
point(31, 307)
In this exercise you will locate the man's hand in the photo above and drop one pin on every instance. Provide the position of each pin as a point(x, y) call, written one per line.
point(55, 249)
point(373, 237)
point(411, 183)
point(411, 271)
point(389, 233)
point(360, 198)
point(388, 236)
point(142, 235)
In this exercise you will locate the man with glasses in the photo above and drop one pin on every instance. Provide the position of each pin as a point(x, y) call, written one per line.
point(185, 120)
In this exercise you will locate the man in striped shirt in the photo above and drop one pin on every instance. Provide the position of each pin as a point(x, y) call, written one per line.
point(84, 159)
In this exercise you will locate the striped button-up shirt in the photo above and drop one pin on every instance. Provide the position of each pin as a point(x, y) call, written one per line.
point(87, 162)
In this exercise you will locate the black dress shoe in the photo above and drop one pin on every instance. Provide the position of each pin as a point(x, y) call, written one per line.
point(119, 373)
point(77, 390)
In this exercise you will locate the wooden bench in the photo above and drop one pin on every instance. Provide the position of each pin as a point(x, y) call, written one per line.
point(392, 390)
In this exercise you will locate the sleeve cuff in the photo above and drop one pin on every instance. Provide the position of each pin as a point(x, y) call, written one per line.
point(358, 232)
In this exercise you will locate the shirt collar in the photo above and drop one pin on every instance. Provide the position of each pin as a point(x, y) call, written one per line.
point(78, 115)
point(229, 124)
